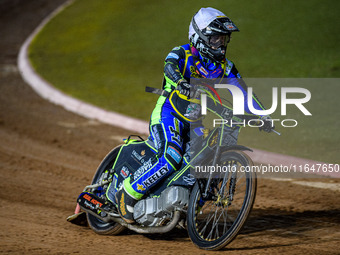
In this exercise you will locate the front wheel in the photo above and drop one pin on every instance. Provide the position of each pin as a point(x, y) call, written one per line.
point(97, 225)
point(217, 213)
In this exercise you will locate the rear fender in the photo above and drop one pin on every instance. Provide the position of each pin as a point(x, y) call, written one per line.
point(235, 147)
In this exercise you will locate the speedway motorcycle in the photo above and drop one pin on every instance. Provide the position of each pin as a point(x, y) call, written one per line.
point(211, 195)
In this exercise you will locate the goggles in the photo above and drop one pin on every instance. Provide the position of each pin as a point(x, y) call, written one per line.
point(217, 41)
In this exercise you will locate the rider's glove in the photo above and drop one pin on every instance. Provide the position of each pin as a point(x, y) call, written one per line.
point(268, 124)
point(185, 88)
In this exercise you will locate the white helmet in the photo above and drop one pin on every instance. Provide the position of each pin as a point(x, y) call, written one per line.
point(209, 33)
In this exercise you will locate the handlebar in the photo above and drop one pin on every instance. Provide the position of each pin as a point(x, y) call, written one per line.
point(199, 90)
point(278, 133)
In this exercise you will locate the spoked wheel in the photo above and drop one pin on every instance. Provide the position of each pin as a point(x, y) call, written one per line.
point(97, 225)
point(217, 213)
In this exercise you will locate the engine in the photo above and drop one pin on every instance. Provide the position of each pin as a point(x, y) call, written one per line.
point(155, 210)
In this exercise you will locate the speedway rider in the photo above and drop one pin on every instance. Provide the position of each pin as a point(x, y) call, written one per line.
point(209, 33)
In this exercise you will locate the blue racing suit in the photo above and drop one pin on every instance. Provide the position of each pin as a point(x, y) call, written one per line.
point(171, 118)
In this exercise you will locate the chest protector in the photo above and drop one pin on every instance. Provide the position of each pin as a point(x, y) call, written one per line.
point(189, 110)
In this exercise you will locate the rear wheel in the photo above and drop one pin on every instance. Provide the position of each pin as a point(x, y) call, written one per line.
point(97, 225)
point(215, 218)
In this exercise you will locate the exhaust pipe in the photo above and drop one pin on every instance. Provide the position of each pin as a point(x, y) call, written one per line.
point(151, 230)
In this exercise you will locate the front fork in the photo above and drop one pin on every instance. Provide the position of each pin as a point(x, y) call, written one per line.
point(228, 144)
point(204, 184)
point(210, 173)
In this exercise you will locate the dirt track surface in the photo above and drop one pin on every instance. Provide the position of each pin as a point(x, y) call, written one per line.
point(47, 156)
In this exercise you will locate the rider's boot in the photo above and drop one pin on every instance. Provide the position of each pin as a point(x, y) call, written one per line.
point(125, 204)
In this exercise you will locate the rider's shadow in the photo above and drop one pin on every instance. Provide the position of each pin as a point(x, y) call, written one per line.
point(287, 223)
point(292, 226)
point(177, 234)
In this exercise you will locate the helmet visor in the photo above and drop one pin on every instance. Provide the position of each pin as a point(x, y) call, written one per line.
point(217, 41)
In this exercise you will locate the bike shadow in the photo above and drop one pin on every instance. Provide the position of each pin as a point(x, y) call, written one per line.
point(294, 222)
point(292, 226)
